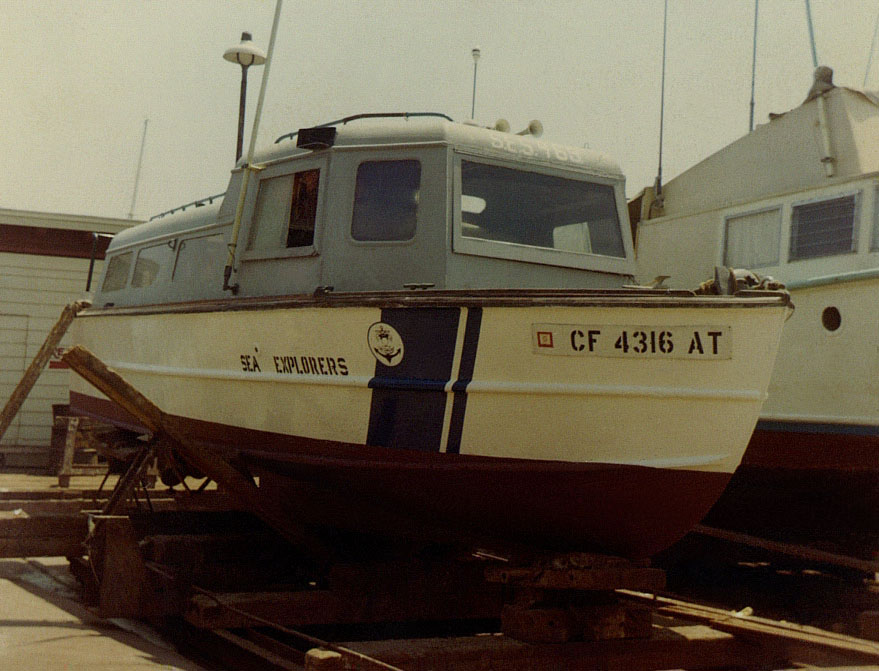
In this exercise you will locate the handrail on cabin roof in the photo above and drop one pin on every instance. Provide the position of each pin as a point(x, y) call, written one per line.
point(201, 202)
point(370, 115)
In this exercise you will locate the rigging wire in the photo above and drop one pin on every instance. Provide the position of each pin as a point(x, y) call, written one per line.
point(753, 65)
point(811, 34)
point(872, 48)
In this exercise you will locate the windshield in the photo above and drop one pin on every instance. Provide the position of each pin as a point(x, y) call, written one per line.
point(529, 208)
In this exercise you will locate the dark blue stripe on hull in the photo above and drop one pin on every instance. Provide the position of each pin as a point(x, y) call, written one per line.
point(408, 401)
point(808, 427)
point(465, 375)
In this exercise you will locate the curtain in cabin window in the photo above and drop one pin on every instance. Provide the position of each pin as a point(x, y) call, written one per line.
point(752, 239)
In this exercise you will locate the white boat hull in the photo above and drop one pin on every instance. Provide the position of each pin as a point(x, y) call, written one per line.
point(432, 382)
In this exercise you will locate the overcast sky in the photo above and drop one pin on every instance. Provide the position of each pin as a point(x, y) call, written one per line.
point(78, 78)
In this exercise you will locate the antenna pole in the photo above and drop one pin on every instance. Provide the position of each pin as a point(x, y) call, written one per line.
point(248, 166)
point(476, 53)
point(753, 65)
point(872, 49)
point(658, 185)
point(137, 174)
point(811, 34)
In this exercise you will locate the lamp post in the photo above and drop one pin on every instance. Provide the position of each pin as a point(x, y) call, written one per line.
point(476, 54)
point(245, 54)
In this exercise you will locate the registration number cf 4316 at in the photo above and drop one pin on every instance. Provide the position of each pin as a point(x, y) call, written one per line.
point(673, 342)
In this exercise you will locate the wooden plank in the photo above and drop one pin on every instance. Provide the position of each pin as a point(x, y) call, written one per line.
point(316, 607)
point(54, 546)
point(670, 647)
point(52, 536)
point(20, 526)
point(241, 488)
point(789, 549)
point(807, 644)
point(649, 579)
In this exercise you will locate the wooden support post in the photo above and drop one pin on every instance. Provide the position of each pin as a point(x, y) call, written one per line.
point(29, 379)
point(166, 427)
point(571, 596)
point(67, 456)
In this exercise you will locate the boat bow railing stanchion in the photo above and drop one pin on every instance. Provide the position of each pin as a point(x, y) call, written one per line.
point(229, 270)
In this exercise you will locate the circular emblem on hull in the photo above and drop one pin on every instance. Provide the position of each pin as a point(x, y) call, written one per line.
point(385, 344)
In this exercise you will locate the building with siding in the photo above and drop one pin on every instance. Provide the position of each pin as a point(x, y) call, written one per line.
point(44, 265)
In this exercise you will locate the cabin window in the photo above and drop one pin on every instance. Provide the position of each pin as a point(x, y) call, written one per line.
point(285, 212)
point(386, 201)
point(149, 262)
point(200, 261)
point(528, 208)
point(824, 228)
point(116, 276)
point(752, 239)
point(303, 210)
point(874, 243)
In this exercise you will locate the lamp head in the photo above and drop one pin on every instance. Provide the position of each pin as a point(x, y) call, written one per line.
point(246, 53)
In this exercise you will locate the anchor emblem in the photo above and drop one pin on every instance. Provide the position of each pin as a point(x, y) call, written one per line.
point(385, 343)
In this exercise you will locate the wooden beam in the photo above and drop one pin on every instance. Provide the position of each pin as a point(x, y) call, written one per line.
point(164, 426)
point(789, 549)
point(52, 536)
point(807, 644)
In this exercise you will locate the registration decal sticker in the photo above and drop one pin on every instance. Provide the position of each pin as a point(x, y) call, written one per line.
point(385, 344)
point(627, 341)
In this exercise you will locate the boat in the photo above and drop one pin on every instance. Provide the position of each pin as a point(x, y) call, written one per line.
point(431, 324)
point(796, 199)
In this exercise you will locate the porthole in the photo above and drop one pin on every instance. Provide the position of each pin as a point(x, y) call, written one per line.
point(831, 319)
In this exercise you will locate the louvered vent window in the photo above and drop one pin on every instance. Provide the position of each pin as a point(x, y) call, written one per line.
point(823, 229)
point(875, 242)
point(752, 239)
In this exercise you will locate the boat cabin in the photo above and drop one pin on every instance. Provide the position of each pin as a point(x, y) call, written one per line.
point(392, 203)
point(797, 198)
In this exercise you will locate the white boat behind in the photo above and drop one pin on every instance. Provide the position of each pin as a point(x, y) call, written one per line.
point(797, 199)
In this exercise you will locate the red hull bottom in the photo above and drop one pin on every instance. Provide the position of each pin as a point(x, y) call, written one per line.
point(799, 485)
point(631, 511)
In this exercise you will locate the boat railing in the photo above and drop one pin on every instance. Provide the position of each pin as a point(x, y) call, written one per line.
point(201, 202)
point(369, 115)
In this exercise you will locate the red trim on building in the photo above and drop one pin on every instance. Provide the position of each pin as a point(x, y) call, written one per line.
point(46, 241)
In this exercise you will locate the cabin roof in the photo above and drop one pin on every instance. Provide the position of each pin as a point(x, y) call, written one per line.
point(783, 155)
point(394, 132)
point(168, 225)
point(463, 136)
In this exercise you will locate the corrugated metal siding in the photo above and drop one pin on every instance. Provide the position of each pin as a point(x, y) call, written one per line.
point(13, 353)
point(39, 287)
point(33, 290)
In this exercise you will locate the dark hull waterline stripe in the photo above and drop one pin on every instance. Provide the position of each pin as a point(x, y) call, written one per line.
point(408, 399)
point(465, 376)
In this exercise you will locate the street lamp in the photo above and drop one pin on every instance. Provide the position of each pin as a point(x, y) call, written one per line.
point(476, 54)
point(245, 54)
